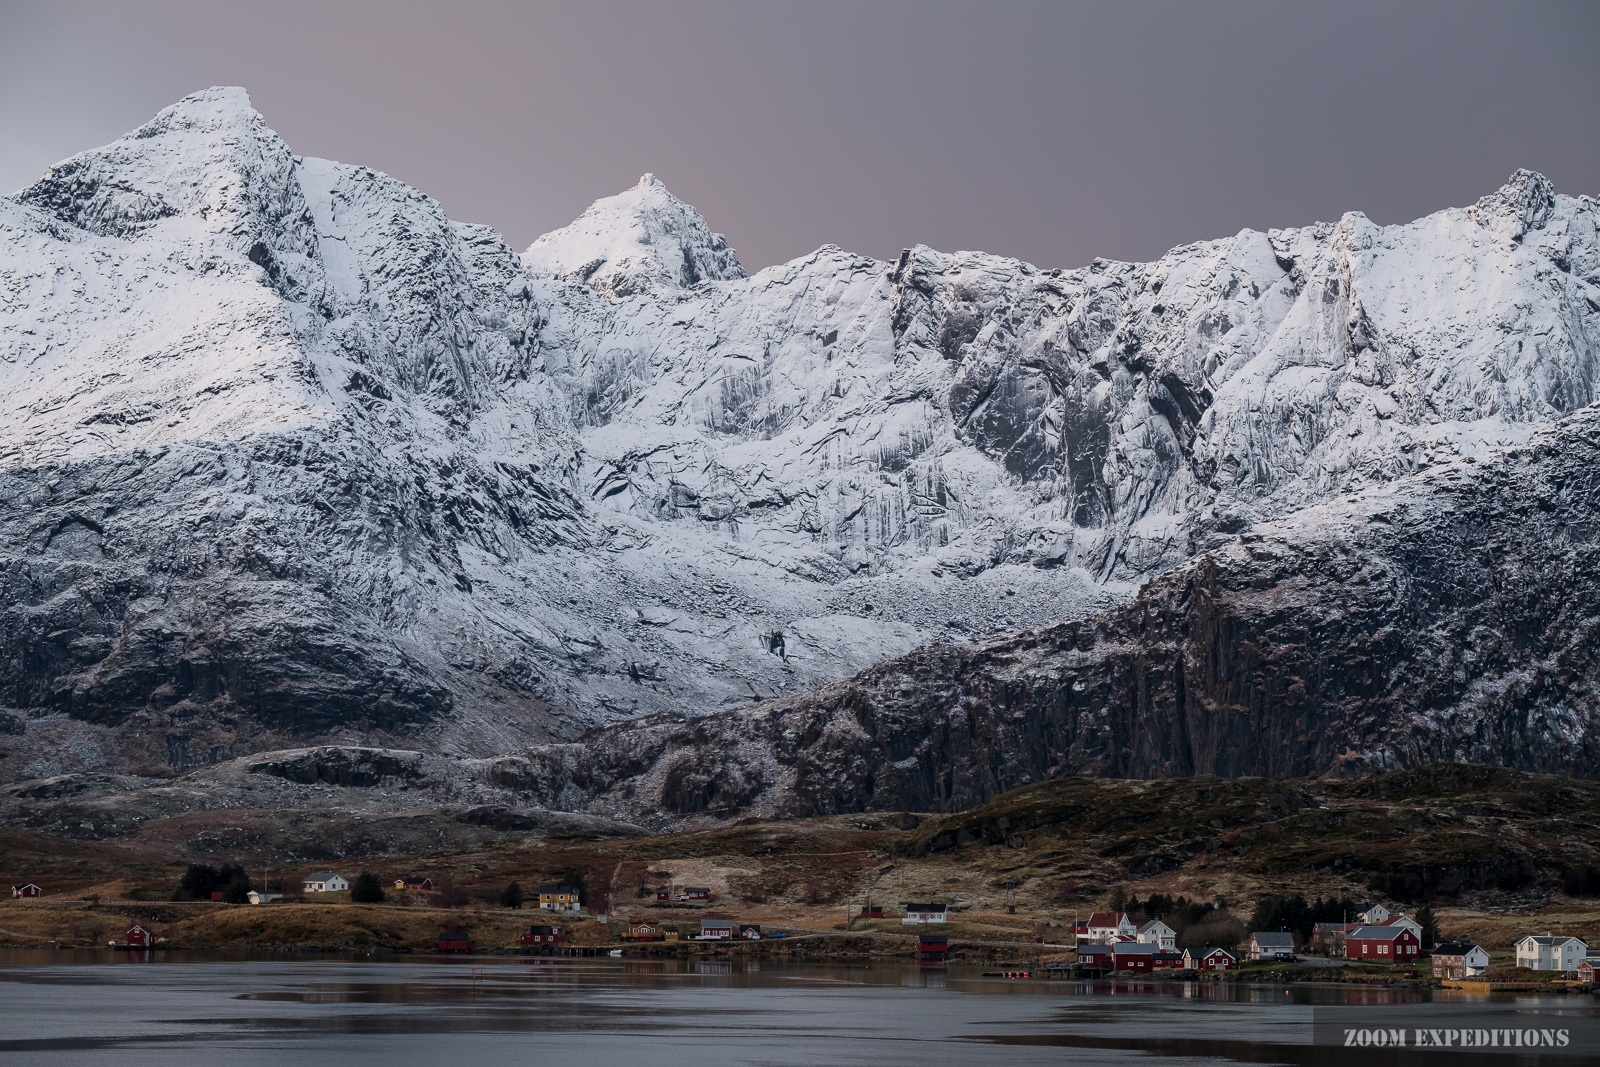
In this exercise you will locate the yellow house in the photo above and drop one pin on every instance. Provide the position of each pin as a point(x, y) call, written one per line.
point(559, 897)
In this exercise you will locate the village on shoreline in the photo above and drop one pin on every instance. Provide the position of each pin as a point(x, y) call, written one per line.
point(220, 909)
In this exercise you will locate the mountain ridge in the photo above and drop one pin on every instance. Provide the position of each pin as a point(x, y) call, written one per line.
point(295, 459)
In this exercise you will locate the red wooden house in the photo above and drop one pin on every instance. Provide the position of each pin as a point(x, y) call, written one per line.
point(454, 941)
point(1209, 959)
point(664, 894)
point(545, 935)
point(1382, 944)
point(1094, 956)
point(29, 890)
point(872, 911)
point(697, 893)
point(933, 946)
point(141, 937)
point(413, 883)
point(1133, 955)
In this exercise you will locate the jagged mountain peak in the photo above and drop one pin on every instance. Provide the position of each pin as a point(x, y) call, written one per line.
point(639, 239)
point(1523, 203)
point(209, 156)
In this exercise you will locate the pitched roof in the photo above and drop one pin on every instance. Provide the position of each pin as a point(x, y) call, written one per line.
point(559, 887)
point(1274, 938)
point(1127, 948)
point(716, 924)
point(1455, 948)
point(1547, 939)
point(1151, 925)
point(1106, 918)
point(321, 876)
point(926, 907)
point(1379, 933)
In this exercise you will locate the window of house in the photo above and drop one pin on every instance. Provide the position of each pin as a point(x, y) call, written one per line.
point(1383, 950)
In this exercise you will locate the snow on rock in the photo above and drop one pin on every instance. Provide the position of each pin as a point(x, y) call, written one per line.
point(292, 457)
point(635, 241)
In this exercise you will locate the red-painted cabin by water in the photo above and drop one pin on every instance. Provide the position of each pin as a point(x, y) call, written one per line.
point(545, 935)
point(1209, 959)
point(932, 946)
point(141, 937)
point(454, 941)
point(1382, 944)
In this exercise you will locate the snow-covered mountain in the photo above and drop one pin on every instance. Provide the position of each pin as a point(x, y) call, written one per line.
point(290, 456)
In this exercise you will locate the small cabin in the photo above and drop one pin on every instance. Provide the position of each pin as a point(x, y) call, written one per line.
point(1269, 944)
point(454, 941)
point(140, 937)
point(1587, 968)
point(924, 913)
point(716, 930)
point(872, 911)
point(697, 892)
point(643, 932)
point(750, 931)
point(664, 895)
point(1093, 955)
point(545, 935)
point(932, 946)
point(414, 883)
point(29, 890)
point(1209, 959)
point(324, 882)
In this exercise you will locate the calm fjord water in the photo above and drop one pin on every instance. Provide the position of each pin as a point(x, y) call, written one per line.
point(132, 1010)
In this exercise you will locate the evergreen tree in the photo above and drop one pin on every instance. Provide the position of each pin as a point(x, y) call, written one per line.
point(238, 891)
point(511, 895)
point(366, 889)
point(198, 878)
point(1430, 927)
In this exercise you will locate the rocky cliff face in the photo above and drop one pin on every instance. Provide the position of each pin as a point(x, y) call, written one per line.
point(1447, 617)
point(292, 457)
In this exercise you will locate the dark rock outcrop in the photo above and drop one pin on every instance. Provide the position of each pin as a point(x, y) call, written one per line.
point(1450, 617)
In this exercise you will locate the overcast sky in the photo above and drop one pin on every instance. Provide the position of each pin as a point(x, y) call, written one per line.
point(1055, 132)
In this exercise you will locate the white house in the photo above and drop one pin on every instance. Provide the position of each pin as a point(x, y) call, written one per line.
point(1157, 933)
point(1407, 921)
point(1549, 953)
point(1459, 959)
point(323, 882)
point(257, 896)
point(923, 913)
point(1266, 944)
point(1106, 926)
point(1370, 914)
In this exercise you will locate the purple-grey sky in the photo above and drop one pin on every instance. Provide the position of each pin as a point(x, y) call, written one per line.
point(1055, 132)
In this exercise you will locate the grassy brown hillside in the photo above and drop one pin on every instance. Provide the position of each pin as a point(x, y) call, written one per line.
point(1486, 846)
